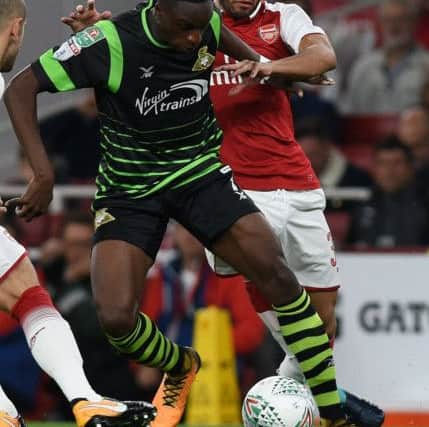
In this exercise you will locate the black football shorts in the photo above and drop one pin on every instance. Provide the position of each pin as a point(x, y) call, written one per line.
point(206, 208)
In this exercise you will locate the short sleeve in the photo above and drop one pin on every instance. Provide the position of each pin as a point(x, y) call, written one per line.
point(90, 58)
point(295, 24)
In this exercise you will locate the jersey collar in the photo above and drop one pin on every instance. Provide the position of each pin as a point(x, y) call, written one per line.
point(145, 10)
point(260, 7)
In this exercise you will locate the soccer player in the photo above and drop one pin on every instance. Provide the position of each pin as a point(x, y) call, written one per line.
point(260, 146)
point(151, 68)
point(48, 335)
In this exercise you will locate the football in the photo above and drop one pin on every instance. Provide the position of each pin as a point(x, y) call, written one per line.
point(278, 402)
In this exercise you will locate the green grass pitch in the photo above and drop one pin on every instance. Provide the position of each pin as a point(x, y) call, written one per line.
point(58, 424)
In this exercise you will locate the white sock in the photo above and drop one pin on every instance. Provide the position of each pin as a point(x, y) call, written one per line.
point(290, 365)
point(6, 405)
point(54, 348)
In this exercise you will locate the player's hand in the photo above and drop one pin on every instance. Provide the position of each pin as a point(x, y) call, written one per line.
point(252, 73)
point(250, 69)
point(36, 199)
point(289, 87)
point(322, 80)
point(85, 16)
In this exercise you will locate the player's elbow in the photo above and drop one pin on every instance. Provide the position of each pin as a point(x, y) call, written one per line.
point(329, 60)
point(325, 61)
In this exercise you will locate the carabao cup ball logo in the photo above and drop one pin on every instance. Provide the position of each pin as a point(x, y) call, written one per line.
point(278, 402)
point(252, 407)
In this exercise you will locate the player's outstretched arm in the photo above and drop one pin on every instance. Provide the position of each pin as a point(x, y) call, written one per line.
point(21, 102)
point(315, 58)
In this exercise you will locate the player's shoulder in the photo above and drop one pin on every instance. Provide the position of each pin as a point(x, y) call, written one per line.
point(284, 9)
point(130, 20)
point(86, 40)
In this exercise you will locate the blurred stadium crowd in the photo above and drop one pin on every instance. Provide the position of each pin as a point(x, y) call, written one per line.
point(369, 132)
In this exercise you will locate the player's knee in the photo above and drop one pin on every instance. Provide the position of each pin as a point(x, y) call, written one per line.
point(116, 321)
point(280, 281)
point(282, 276)
point(21, 278)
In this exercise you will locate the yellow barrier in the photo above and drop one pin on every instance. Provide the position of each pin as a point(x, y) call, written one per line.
point(215, 397)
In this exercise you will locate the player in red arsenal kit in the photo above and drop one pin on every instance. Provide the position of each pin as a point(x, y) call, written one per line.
point(260, 146)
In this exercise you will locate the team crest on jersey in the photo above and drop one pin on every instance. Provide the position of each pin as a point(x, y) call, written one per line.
point(269, 33)
point(204, 61)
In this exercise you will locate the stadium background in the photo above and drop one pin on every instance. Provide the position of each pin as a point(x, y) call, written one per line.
point(383, 311)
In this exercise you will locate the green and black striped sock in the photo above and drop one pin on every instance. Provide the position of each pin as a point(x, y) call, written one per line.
point(147, 345)
point(305, 335)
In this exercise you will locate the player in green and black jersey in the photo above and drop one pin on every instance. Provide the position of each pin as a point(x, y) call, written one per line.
point(157, 123)
point(150, 69)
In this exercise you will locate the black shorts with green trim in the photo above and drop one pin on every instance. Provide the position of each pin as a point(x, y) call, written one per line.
point(206, 208)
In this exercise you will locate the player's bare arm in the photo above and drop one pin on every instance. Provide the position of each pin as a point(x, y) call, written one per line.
point(316, 57)
point(20, 99)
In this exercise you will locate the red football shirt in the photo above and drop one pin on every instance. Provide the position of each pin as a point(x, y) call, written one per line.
point(259, 142)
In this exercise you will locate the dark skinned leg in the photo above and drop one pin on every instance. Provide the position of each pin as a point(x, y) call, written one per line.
point(118, 273)
point(251, 247)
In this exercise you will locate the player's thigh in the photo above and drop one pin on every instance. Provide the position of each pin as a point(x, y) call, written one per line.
point(228, 223)
point(271, 207)
point(251, 248)
point(17, 273)
point(126, 242)
point(211, 207)
point(307, 242)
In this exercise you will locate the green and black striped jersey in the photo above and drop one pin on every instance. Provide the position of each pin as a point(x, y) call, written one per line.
point(157, 123)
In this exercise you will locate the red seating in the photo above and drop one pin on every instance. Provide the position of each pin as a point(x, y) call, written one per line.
point(360, 133)
point(367, 129)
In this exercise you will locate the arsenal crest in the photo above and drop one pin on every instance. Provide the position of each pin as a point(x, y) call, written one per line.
point(269, 33)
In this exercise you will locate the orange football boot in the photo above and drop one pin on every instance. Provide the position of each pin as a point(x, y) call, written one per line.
point(170, 399)
point(7, 421)
point(112, 413)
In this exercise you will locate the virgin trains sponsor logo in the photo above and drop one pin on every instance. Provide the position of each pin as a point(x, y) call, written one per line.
point(220, 78)
point(177, 97)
